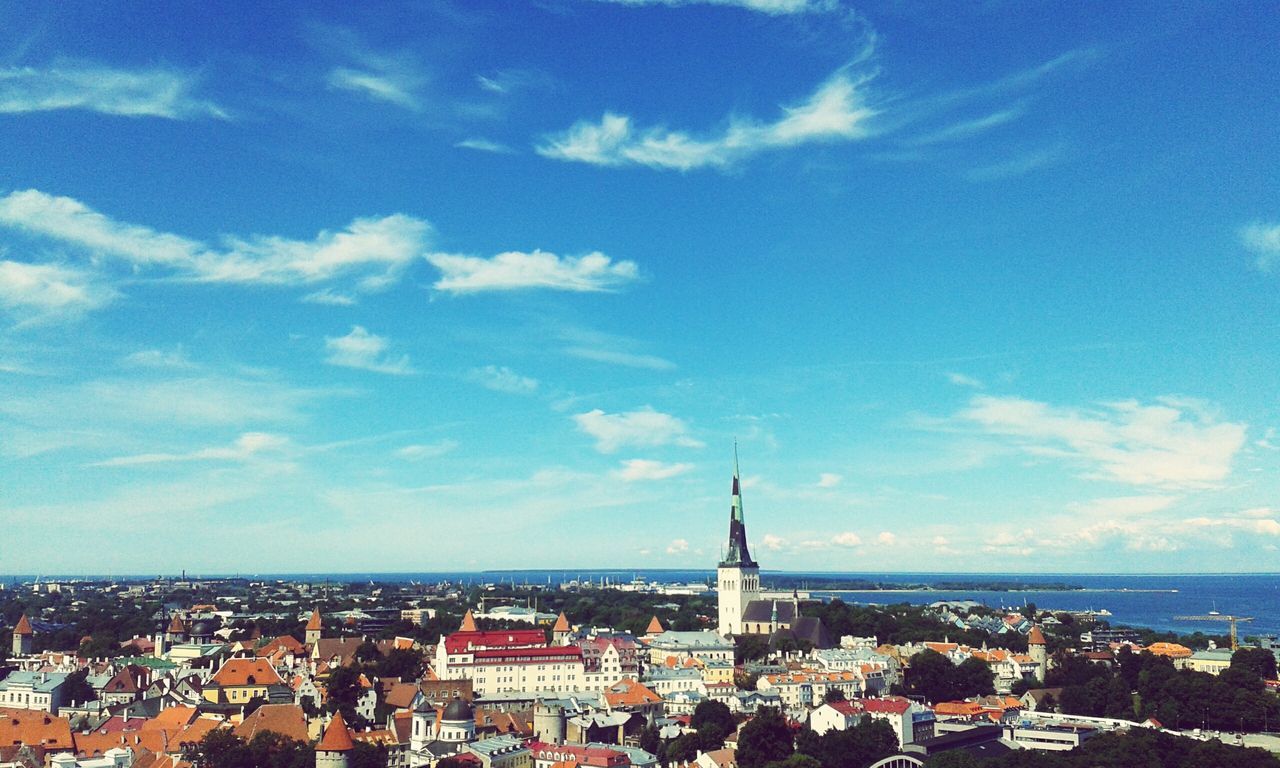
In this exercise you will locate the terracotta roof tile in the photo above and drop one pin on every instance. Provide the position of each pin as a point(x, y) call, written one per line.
point(336, 737)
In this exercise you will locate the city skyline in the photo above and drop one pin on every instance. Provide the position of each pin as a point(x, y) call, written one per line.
point(473, 286)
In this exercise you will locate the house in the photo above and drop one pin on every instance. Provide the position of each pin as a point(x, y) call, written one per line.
point(911, 722)
point(43, 691)
point(1041, 699)
point(239, 680)
point(33, 728)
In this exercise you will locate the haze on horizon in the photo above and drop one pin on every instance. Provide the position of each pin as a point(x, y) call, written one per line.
point(482, 285)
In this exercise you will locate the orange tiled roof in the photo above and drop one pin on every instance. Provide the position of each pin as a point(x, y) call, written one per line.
point(1035, 636)
point(655, 627)
point(238, 672)
point(26, 726)
point(288, 720)
point(562, 623)
point(24, 626)
point(630, 693)
point(336, 737)
point(468, 622)
point(315, 623)
point(1172, 650)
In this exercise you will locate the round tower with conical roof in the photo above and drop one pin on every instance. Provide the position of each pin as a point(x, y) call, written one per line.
point(314, 625)
point(334, 749)
point(23, 637)
point(1038, 650)
point(560, 632)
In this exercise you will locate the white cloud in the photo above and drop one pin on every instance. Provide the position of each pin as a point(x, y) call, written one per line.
point(245, 447)
point(772, 542)
point(1263, 240)
point(625, 359)
point(485, 145)
point(364, 350)
point(82, 85)
point(968, 128)
point(942, 546)
point(961, 380)
point(678, 546)
point(645, 428)
point(328, 297)
point(423, 451)
point(846, 539)
point(829, 480)
point(40, 291)
point(159, 358)
point(373, 250)
point(392, 87)
point(646, 469)
point(503, 379)
point(1019, 164)
point(836, 111)
point(1174, 444)
point(771, 7)
point(886, 538)
point(515, 270)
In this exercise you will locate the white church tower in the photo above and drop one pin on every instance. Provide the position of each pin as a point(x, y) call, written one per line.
point(738, 577)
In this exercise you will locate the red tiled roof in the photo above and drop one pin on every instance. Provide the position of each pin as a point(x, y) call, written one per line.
point(336, 737)
point(24, 626)
point(464, 641)
point(314, 623)
point(1035, 636)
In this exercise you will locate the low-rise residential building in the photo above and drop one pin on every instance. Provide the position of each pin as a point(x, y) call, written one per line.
point(911, 721)
point(42, 691)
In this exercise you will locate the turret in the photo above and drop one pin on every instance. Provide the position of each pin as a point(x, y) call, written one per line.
point(314, 626)
point(23, 637)
point(335, 746)
point(549, 723)
point(560, 632)
point(468, 622)
point(1038, 650)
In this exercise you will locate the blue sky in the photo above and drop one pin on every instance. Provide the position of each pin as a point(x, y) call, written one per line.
point(976, 287)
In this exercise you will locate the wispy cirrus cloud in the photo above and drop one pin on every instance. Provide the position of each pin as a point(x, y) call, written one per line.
point(634, 470)
point(516, 270)
point(371, 250)
point(36, 292)
point(245, 447)
point(485, 145)
point(771, 7)
point(154, 92)
point(1263, 241)
point(1175, 443)
point(836, 111)
point(366, 351)
point(644, 428)
point(392, 86)
point(503, 379)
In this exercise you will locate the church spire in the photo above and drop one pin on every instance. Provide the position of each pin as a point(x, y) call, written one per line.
point(738, 554)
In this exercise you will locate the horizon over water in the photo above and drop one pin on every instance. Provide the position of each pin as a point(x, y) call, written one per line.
point(1136, 599)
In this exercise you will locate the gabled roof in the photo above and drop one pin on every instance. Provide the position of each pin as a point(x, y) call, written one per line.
point(288, 720)
point(336, 737)
point(24, 626)
point(630, 693)
point(24, 726)
point(465, 641)
point(286, 643)
point(237, 672)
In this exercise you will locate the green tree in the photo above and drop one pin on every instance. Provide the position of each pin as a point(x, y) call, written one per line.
point(766, 738)
point(1259, 661)
point(77, 689)
point(683, 748)
point(797, 760)
point(833, 695)
point(366, 755)
point(345, 690)
point(713, 722)
point(956, 758)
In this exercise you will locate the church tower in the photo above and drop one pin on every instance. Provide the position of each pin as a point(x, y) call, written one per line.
point(738, 577)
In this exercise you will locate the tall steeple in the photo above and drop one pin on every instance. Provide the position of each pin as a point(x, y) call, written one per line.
point(737, 554)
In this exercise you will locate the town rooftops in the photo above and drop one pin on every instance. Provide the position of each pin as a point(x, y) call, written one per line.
point(288, 720)
point(38, 682)
point(24, 726)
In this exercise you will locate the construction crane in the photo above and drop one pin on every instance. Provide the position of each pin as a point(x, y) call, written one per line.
point(1215, 616)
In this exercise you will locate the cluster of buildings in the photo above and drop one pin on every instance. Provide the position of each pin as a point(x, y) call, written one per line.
point(541, 692)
